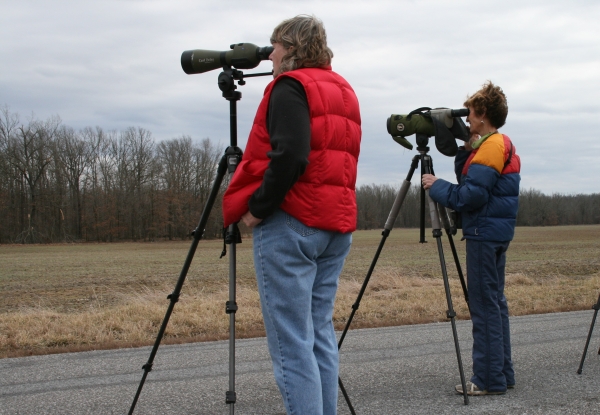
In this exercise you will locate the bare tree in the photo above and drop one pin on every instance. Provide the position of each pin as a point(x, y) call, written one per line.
point(188, 171)
point(141, 169)
point(105, 186)
point(75, 154)
point(8, 193)
point(29, 152)
point(175, 158)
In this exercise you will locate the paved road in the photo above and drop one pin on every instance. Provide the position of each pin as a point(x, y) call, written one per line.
point(399, 370)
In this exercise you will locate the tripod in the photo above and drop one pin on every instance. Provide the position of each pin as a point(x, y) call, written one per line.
point(228, 163)
point(596, 307)
point(436, 212)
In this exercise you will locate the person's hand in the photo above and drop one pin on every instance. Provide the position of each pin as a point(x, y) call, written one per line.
point(250, 220)
point(427, 180)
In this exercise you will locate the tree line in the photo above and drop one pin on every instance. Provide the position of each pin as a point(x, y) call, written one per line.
point(58, 184)
point(535, 208)
point(62, 185)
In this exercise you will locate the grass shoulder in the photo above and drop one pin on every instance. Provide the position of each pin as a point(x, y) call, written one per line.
point(73, 297)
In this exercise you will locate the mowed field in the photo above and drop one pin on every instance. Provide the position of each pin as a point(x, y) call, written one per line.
point(72, 297)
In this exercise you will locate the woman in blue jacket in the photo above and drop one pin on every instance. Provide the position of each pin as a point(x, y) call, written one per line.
point(487, 197)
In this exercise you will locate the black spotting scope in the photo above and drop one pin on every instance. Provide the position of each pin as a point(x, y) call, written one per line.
point(241, 56)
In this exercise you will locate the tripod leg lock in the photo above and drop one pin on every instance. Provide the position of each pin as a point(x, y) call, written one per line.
point(230, 237)
point(147, 367)
point(230, 397)
point(195, 232)
point(233, 155)
point(231, 307)
point(233, 236)
point(174, 297)
point(450, 314)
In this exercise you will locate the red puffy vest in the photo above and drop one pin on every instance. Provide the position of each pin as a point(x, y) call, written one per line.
point(324, 197)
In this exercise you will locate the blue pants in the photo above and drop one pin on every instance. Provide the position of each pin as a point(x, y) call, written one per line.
point(297, 271)
point(492, 363)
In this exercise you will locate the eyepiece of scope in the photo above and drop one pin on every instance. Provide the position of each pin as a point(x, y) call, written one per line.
point(263, 53)
point(463, 112)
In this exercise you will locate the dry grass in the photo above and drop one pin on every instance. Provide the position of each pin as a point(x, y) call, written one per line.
point(59, 298)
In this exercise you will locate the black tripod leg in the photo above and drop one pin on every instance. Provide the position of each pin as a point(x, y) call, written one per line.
point(596, 307)
point(174, 296)
point(422, 195)
point(451, 314)
point(346, 397)
point(451, 230)
point(233, 237)
point(459, 270)
point(389, 224)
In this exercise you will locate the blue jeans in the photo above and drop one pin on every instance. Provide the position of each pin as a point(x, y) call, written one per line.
point(297, 270)
point(492, 363)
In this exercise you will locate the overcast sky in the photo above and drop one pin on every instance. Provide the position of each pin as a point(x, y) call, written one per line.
point(116, 64)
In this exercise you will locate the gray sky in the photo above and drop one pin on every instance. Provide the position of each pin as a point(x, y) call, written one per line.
point(116, 64)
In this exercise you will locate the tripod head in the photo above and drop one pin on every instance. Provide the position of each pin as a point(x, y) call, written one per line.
point(226, 83)
point(422, 143)
point(227, 80)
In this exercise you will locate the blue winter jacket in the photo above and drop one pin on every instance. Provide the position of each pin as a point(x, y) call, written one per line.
point(487, 195)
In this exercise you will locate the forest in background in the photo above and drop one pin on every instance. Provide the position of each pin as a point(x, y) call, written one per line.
point(58, 184)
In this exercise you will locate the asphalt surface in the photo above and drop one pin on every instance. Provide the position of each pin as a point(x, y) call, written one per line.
point(398, 370)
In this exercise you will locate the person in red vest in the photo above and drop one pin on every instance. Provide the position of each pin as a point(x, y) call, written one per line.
point(295, 187)
point(487, 197)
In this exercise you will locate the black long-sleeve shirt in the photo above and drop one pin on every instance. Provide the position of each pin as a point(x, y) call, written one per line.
point(288, 124)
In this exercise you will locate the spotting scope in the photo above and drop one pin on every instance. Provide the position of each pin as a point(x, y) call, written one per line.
point(241, 56)
point(443, 123)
